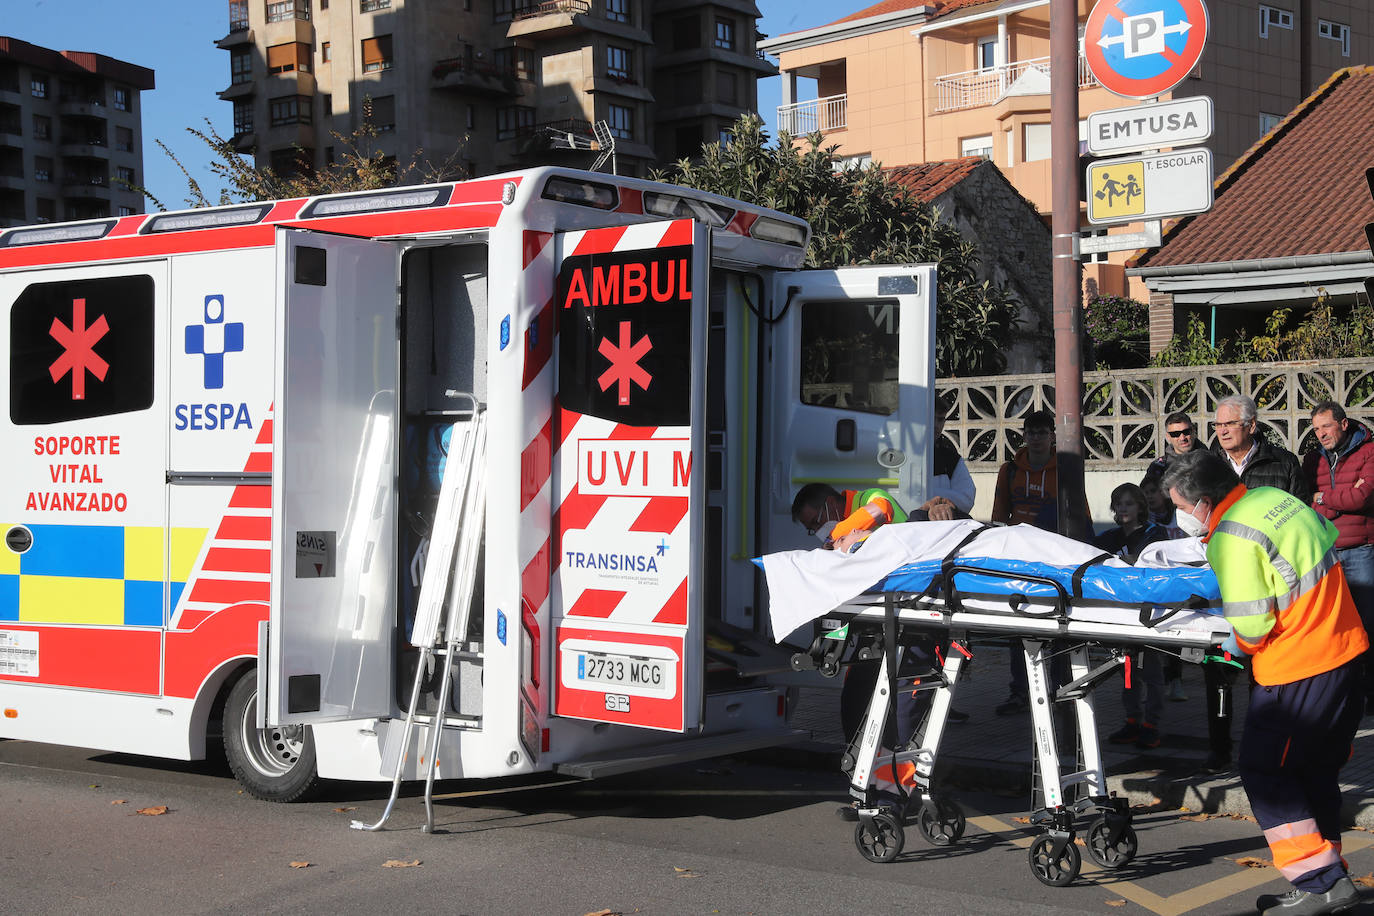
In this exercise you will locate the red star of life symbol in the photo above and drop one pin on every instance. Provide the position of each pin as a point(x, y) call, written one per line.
point(625, 367)
point(79, 356)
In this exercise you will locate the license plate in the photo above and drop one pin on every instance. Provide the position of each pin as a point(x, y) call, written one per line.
point(621, 670)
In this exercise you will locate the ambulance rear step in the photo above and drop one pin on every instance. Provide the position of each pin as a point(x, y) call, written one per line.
point(649, 756)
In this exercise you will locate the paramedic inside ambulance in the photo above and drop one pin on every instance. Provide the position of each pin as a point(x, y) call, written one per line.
point(1284, 593)
point(843, 519)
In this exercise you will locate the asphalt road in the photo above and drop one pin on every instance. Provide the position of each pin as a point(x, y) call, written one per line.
point(753, 835)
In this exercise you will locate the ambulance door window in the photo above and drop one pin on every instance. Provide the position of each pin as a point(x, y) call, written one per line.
point(850, 356)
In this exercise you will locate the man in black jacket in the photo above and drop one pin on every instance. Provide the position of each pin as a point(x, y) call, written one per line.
point(1258, 463)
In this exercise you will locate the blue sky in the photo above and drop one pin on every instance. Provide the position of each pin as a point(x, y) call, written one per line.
point(175, 38)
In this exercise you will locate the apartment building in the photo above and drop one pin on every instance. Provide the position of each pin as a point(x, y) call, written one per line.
point(490, 86)
point(907, 81)
point(71, 138)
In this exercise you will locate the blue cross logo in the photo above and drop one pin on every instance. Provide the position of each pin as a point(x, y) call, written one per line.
point(663, 546)
point(213, 339)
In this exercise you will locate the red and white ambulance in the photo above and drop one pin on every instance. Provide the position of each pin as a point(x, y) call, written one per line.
point(225, 430)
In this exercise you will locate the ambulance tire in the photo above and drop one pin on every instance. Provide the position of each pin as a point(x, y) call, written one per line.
point(274, 764)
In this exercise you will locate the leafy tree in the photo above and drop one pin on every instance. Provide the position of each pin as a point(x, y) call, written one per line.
point(359, 166)
point(1323, 333)
point(857, 216)
point(1117, 329)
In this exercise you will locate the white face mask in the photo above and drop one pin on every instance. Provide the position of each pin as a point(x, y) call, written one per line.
point(823, 532)
point(1189, 523)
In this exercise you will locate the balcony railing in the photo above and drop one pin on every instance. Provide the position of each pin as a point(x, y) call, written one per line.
point(802, 118)
point(238, 15)
point(976, 88)
point(551, 6)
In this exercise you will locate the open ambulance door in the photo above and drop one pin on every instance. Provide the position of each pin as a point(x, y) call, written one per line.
point(849, 389)
point(333, 492)
point(628, 488)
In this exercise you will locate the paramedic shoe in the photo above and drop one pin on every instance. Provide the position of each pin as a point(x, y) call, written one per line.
point(1148, 737)
point(1015, 703)
point(1342, 896)
point(1127, 734)
point(1176, 692)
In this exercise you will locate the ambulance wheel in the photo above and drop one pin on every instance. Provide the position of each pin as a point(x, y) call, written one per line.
point(1056, 871)
point(273, 764)
point(883, 841)
point(943, 826)
point(1103, 851)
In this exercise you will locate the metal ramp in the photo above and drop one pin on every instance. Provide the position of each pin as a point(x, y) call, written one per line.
point(450, 571)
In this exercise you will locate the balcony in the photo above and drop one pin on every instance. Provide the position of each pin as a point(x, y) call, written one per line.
point(462, 74)
point(86, 187)
point(89, 148)
point(977, 88)
point(801, 118)
point(553, 17)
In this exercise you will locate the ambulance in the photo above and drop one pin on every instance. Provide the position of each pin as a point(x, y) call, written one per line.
point(227, 430)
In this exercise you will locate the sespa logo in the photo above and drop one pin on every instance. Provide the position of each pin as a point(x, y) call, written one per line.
point(211, 340)
point(609, 561)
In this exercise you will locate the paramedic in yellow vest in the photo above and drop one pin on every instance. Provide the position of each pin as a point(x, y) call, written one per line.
point(842, 519)
point(1285, 595)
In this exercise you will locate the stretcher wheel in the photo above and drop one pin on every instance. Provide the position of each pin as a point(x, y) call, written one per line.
point(1056, 871)
point(883, 841)
point(943, 826)
point(1103, 851)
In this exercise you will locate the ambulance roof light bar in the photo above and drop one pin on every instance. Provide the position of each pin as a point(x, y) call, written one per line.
point(675, 205)
point(207, 219)
point(767, 229)
point(374, 201)
point(80, 232)
point(583, 193)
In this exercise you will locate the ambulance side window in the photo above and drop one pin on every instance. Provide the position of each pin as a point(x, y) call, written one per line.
point(849, 355)
point(81, 348)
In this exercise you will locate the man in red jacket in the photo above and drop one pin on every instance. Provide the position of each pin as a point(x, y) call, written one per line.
point(1341, 475)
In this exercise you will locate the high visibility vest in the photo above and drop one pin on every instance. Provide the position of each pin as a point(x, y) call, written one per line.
point(860, 514)
point(1282, 589)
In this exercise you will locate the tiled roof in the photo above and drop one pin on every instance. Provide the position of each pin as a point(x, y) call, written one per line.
point(1300, 190)
point(942, 7)
point(928, 180)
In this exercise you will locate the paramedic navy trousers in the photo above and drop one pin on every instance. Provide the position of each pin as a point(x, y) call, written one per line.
point(1296, 738)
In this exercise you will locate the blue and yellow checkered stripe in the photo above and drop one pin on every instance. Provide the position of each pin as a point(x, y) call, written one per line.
point(92, 574)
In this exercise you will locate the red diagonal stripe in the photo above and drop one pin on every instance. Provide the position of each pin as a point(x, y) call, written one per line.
point(534, 243)
point(229, 591)
point(258, 463)
point(251, 497)
point(597, 241)
point(237, 559)
point(245, 528)
point(662, 514)
point(675, 609)
point(538, 344)
point(679, 233)
point(595, 602)
point(534, 579)
point(265, 432)
point(536, 464)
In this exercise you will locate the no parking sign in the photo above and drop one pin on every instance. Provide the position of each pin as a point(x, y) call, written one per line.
point(1143, 48)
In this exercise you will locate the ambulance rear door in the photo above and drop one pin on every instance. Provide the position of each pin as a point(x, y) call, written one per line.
point(628, 488)
point(333, 479)
point(850, 386)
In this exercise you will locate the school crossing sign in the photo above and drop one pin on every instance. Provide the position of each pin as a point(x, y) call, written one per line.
point(1140, 49)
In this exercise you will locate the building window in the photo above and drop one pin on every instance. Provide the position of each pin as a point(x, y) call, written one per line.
point(688, 139)
point(291, 161)
point(377, 54)
point(618, 10)
point(371, 6)
point(618, 63)
point(725, 34)
point(324, 5)
point(987, 53)
point(1268, 122)
point(290, 109)
point(46, 209)
point(243, 116)
point(123, 101)
point(282, 10)
point(288, 57)
point(125, 176)
point(126, 211)
point(1271, 17)
point(124, 139)
point(976, 146)
point(327, 104)
point(240, 67)
point(518, 62)
point(42, 127)
point(1035, 142)
point(38, 86)
point(383, 113)
point(504, 10)
point(325, 55)
point(512, 120)
point(1336, 31)
point(727, 87)
point(856, 161)
point(42, 168)
point(238, 15)
point(621, 119)
point(686, 33)
point(725, 136)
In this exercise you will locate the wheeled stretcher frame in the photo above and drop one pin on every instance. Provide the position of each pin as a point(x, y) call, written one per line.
point(1060, 798)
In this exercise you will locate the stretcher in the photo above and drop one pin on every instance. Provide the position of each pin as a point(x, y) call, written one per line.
point(948, 581)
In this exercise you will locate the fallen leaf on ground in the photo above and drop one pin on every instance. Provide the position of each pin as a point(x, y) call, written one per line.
point(300, 864)
point(1020, 820)
point(397, 863)
point(1117, 902)
point(349, 808)
point(1365, 880)
point(1079, 841)
point(604, 913)
point(153, 811)
point(94, 785)
point(1253, 862)
point(119, 801)
point(675, 868)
